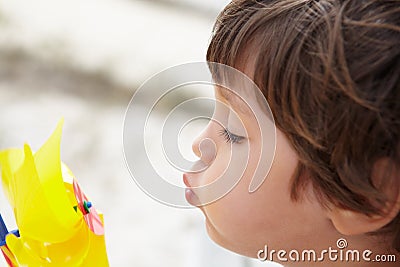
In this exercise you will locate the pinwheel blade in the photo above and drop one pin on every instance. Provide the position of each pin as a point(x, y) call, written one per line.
point(93, 221)
point(90, 214)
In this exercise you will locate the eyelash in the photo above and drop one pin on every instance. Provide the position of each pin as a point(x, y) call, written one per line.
point(230, 137)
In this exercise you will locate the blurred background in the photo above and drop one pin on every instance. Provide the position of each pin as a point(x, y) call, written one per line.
point(83, 60)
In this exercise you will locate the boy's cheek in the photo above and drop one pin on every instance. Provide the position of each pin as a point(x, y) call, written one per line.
point(238, 218)
point(217, 167)
point(233, 166)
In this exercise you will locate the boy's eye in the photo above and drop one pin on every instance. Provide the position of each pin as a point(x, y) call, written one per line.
point(230, 137)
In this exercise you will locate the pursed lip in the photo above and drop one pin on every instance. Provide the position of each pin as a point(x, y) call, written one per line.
point(190, 195)
point(197, 167)
point(191, 180)
point(186, 180)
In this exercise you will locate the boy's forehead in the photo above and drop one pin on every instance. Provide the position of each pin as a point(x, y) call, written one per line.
point(235, 86)
point(245, 100)
point(238, 98)
point(226, 94)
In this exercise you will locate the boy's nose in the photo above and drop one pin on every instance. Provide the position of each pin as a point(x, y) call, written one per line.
point(205, 149)
point(196, 148)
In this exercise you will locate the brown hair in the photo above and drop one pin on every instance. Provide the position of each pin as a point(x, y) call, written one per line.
point(330, 72)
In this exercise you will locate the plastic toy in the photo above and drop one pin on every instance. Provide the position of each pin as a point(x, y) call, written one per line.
point(57, 224)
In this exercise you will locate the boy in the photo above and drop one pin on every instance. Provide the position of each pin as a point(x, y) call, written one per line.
point(330, 71)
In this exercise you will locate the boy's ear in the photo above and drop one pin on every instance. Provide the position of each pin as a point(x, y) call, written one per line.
point(386, 177)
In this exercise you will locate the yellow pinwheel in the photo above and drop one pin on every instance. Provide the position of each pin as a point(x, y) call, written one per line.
point(58, 226)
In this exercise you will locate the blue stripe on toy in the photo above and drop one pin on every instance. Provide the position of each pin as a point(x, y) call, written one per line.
point(3, 232)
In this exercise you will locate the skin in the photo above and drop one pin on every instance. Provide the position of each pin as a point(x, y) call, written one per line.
point(245, 222)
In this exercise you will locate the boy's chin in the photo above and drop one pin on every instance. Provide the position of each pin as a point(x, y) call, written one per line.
point(230, 245)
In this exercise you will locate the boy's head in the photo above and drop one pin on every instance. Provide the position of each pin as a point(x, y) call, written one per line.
point(330, 71)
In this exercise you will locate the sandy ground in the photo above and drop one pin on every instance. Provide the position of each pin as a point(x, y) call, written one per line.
point(82, 60)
